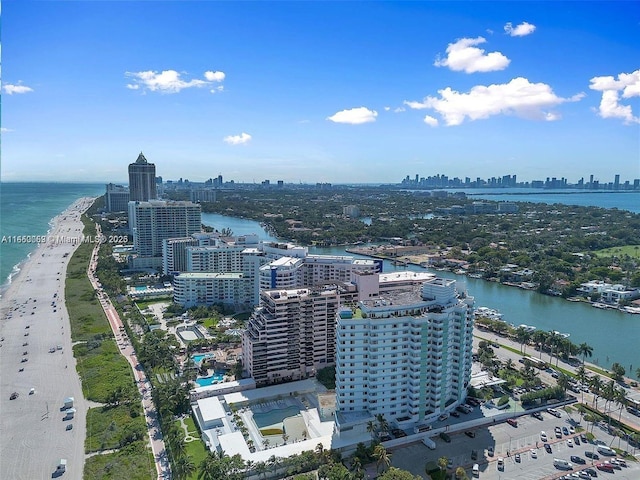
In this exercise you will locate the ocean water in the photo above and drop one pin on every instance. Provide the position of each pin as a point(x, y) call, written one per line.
point(26, 209)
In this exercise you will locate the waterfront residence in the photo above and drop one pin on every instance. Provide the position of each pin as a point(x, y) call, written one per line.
point(404, 353)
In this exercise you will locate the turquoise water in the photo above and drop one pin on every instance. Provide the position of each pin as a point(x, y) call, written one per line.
point(140, 289)
point(26, 209)
point(274, 416)
point(206, 381)
point(198, 358)
point(238, 226)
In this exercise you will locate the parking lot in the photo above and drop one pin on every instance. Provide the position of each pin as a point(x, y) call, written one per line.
point(507, 441)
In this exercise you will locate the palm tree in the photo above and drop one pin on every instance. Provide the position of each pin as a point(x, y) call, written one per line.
point(553, 340)
point(183, 467)
point(461, 473)
point(581, 373)
point(523, 336)
point(371, 428)
point(585, 350)
point(563, 382)
point(596, 386)
point(356, 468)
point(540, 338)
point(261, 469)
point(383, 424)
point(382, 457)
point(274, 463)
point(442, 463)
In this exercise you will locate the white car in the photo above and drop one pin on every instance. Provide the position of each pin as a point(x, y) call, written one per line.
point(572, 430)
point(569, 443)
point(543, 436)
point(534, 454)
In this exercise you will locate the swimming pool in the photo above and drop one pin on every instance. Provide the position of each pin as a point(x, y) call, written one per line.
point(206, 381)
point(275, 416)
point(199, 358)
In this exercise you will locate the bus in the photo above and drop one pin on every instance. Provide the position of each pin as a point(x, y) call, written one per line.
point(536, 362)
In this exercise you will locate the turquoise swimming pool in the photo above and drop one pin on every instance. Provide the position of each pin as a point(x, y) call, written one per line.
point(275, 416)
point(199, 358)
point(206, 381)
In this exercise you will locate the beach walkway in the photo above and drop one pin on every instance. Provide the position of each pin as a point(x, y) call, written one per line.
point(156, 440)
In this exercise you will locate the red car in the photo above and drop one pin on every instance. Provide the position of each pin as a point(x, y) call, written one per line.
point(512, 421)
point(605, 467)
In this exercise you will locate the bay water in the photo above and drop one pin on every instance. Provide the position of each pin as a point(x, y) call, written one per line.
point(613, 335)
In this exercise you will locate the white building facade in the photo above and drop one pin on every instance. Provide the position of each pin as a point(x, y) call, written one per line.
point(405, 354)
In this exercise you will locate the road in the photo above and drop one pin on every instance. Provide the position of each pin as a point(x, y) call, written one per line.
point(585, 397)
point(156, 440)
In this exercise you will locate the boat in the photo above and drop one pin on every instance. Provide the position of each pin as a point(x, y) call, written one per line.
point(486, 312)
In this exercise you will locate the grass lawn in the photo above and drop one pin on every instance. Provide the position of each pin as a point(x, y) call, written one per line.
point(209, 322)
point(632, 250)
point(109, 428)
point(197, 453)
point(102, 369)
point(144, 304)
point(191, 426)
point(134, 462)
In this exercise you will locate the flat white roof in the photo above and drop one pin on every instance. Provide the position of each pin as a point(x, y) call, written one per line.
point(234, 443)
point(405, 276)
point(211, 409)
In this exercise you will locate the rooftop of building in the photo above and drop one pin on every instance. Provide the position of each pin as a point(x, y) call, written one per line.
point(210, 275)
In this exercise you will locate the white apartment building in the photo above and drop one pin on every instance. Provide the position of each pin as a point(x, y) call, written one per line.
point(158, 220)
point(312, 270)
point(291, 334)
point(234, 289)
point(403, 352)
point(174, 254)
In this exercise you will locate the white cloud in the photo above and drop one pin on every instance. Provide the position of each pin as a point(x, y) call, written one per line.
point(610, 107)
point(386, 109)
point(11, 89)
point(519, 97)
point(520, 30)
point(5, 130)
point(214, 76)
point(463, 55)
point(431, 121)
point(170, 81)
point(354, 116)
point(237, 139)
point(399, 109)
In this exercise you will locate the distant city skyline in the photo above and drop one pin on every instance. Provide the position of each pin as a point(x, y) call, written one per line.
point(337, 92)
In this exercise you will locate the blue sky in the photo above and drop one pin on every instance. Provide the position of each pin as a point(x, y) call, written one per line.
point(339, 92)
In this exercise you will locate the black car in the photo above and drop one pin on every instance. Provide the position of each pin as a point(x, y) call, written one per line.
point(537, 415)
point(565, 431)
point(547, 447)
point(470, 434)
point(13, 396)
point(591, 455)
point(576, 459)
point(591, 472)
point(583, 437)
point(455, 414)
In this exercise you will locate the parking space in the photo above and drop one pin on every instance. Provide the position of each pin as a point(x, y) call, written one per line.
point(508, 442)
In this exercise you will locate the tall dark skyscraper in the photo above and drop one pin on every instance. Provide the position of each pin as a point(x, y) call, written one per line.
point(142, 180)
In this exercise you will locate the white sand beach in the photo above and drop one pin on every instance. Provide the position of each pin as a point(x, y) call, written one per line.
point(33, 321)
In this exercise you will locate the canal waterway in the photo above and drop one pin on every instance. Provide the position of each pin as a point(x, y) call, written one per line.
point(614, 336)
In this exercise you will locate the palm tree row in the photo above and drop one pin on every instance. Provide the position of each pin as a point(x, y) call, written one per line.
point(557, 345)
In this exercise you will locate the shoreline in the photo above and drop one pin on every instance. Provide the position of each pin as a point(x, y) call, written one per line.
point(17, 268)
point(37, 354)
